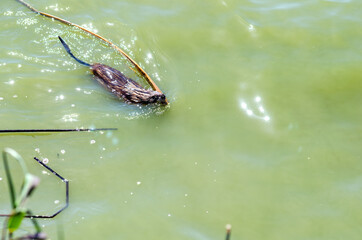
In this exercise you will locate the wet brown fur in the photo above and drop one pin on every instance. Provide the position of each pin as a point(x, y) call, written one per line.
point(124, 87)
point(119, 84)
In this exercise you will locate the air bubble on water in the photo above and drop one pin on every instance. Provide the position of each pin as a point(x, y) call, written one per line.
point(267, 118)
point(1, 98)
point(62, 151)
point(1, 178)
point(92, 141)
point(37, 150)
point(257, 99)
point(45, 161)
point(138, 183)
point(50, 90)
point(249, 112)
point(169, 215)
point(56, 202)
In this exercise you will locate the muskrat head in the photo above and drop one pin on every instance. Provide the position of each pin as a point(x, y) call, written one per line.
point(157, 97)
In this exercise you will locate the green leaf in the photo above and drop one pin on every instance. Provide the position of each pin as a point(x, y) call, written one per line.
point(21, 161)
point(15, 221)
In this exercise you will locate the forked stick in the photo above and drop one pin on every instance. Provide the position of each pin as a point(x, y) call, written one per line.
point(66, 181)
point(140, 70)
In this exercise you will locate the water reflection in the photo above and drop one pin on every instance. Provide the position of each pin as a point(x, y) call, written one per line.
point(255, 109)
point(70, 117)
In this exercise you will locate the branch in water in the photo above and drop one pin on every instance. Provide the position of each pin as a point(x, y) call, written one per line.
point(139, 69)
point(56, 130)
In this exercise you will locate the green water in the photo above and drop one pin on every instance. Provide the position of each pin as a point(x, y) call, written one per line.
point(263, 130)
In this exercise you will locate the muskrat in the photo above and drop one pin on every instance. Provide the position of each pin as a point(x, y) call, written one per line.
point(119, 84)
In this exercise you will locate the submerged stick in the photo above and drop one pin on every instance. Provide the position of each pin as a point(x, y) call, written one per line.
point(139, 69)
point(56, 130)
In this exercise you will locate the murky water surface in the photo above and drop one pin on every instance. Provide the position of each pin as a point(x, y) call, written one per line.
point(263, 130)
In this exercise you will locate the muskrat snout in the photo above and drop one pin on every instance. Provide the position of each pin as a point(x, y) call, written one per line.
point(158, 98)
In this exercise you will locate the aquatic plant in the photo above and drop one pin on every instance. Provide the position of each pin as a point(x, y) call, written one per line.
point(19, 211)
point(228, 231)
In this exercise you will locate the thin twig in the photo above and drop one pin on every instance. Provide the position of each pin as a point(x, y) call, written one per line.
point(35, 222)
point(66, 181)
point(139, 69)
point(56, 130)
